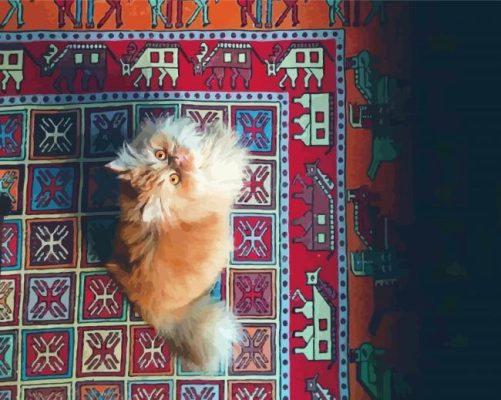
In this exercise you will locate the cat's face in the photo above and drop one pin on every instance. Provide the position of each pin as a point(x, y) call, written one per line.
point(179, 175)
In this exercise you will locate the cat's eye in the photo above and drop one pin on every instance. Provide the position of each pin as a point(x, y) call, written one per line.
point(161, 155)
point(174, 179)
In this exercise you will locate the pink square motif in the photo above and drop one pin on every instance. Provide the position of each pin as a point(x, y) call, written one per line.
point(253, 236)
point(47, 353)
point(150, 354)
point(153, 390)
point(263, 390)
point(102, 299)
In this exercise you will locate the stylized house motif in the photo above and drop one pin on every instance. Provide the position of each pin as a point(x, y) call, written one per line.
point(315, 123)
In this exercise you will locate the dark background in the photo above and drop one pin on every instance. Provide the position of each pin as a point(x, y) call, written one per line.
point(457, 189)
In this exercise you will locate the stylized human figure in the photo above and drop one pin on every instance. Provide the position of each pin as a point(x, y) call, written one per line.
point(246, 10)
point(90, 13)
point(347, 12)
point(335, 9)
point(63, 11)
point(203, 7)
point(115, 6)
point(16, 6)
point(269, 14)
point(290, 6)
point(156, 12)
point(377, 7)
point(179, 13)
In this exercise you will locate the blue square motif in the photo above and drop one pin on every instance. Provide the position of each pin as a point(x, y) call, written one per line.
point(8, 355)
point(53, 189)
point(197, 390)
point(5, 394)
point(255, 128)
point(49, 299)
point(107, 129)
point(98, 233)
point(12, 135)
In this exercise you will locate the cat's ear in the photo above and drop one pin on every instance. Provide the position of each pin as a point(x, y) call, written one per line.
point(116, 166)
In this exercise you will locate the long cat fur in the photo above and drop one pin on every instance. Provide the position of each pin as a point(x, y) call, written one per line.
point(173, 240)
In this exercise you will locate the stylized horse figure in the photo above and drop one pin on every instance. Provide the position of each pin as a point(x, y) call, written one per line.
point(234, 56)
point(308, 57)
point(89, 58)
point(160, 56)
point(316, 391)
point(318, 221)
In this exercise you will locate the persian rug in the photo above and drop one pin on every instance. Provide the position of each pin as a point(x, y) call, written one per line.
point(76, 331)
point(75, 88)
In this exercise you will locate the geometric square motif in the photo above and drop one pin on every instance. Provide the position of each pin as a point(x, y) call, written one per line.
point(8, 356)
point(8, 393)
point(253, 236)
point(100, 189)
point(150, 390)
point(10, 295)
point(51, 392)
point(200, 390)
point(12, 134)
point(47, 353)
point(255, 352)
point(48, 299)
point(259, 390)
point(184, 369)
point(55, 134)
point(11, 239)
point(51, 243)
point(100, 391)
point(101, 351)
point(100, 299)
point(154, 112)
point(97, 234)
point(52, 189)
point(106, 129)
point(258, 189)
point(204, 115)
point(149, 353)
point(255, 127)
point(11, 186)
point(252, 293)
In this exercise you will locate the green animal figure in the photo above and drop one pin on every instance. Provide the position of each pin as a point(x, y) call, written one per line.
point(383, 96)
point(374, 86)
point(372, 374)
point(384, 148)
point(379, 381)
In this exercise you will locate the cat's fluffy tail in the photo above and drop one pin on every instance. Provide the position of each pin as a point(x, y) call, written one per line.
point(204, 337)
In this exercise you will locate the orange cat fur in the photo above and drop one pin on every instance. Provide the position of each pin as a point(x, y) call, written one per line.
point(176, 192)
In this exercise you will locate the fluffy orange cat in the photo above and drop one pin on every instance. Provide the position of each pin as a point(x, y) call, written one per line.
point(177, 187)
